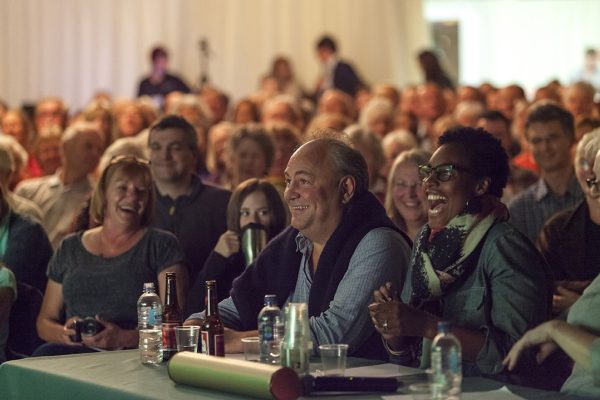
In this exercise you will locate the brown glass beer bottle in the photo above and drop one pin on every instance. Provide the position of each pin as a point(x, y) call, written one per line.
point(212, 330)
point(171, 317)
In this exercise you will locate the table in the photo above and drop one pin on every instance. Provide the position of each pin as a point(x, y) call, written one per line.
point(119, 375)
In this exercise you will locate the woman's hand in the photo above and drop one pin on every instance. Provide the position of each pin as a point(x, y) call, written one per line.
point(540, 336)
point(228, 244)
point(394, 319)
point(563, 299)
point(112, 337)
point(68, 331)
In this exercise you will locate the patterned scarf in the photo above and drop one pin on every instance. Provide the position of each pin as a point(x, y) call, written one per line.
point(442, 257)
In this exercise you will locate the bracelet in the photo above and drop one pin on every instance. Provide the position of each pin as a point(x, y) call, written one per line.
point(394, 352)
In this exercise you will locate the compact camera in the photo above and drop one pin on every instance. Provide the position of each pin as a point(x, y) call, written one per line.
point(86, 327)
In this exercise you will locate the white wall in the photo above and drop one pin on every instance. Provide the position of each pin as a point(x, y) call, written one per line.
point(71, 48)
point(528, 42)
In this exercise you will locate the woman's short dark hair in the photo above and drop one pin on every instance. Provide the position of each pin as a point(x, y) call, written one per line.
point(129, 166)
point(279, 215)
point(485, 154)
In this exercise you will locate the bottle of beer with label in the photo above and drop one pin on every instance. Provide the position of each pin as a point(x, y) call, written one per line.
point(171, 317)
point(212, 330)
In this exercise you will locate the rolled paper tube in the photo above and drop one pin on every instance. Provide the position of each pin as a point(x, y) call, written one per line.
point(235, 376)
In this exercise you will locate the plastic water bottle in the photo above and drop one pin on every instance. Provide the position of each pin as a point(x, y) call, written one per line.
point(446, 363)
point(149, 325)
point(270, 330)
point(149, 308)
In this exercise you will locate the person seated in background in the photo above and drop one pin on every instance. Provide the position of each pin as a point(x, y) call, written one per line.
point(193, 211)
point(286, 139)
point(283, 73)
point(100, 113)
point(334, 101)
point(50, 112)
point(17, 203)
point(340, 247)
point(468, 265)
point(24, 246)
point(578, 99)
point(46, 152)
point(217, 103)
point(8, 295)
point(577, 337)
point(250, 154)
point(216, 153)
point(129, 119)
point(61, 195)
point(405, 200)
point(431, 105)
point(396, 142)
point(498, 126)
point(245, 111)
point(550, 132)
point(160, 82)
point(282, 108)
point(377, 117)
point(369, 146)
point(100, 272)
point(569, 240)
point(253, 201)
point(15, 123)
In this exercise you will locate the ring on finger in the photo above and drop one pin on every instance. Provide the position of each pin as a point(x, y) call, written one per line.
point(385, 325)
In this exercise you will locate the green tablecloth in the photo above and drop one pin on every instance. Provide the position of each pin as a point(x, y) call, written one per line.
point(119, 375)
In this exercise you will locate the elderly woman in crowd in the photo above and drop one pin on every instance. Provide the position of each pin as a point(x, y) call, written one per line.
point(468, 265)
point(100, 272)
point(254, 201)
point(577, 336)
point(405, 201)
point(250, 154)
point(569, 240)
point(377, 116)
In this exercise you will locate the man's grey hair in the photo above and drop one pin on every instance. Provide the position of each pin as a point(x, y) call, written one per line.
point(343, 158)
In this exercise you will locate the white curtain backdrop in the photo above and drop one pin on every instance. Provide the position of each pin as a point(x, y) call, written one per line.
point(529, 42)
point(73, 48)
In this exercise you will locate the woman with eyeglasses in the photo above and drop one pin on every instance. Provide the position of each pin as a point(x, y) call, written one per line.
point(100, 272)
point(569, 240)
point(405, 200)
point(253, 201)
point(468, 266)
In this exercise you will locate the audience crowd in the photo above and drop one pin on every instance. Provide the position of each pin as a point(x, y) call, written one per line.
point(496, 193)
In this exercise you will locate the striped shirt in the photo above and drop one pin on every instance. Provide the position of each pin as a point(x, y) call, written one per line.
point(530, 209)
point(381, 256)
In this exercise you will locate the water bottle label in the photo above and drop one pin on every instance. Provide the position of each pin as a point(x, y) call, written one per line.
point(151, 316)
point(266, 332)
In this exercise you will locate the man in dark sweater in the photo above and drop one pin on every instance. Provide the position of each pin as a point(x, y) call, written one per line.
point(340, 247)
point(193, 211)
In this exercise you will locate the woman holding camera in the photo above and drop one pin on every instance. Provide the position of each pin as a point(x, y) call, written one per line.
point(253, 201)
point(100, 272)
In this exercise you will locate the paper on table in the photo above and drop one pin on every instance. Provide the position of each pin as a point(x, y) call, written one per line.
point(382, 371)
point(500, 394)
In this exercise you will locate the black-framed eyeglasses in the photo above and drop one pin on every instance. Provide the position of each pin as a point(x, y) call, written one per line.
point(443, 172)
